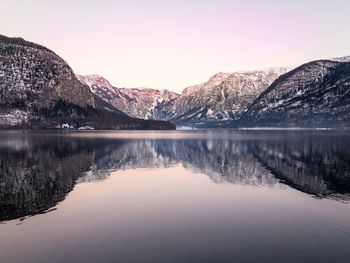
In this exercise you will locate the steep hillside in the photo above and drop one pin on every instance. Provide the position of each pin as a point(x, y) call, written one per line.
point(315, 94)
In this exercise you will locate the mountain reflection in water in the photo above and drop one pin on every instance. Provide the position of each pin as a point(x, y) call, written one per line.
point(38, 170)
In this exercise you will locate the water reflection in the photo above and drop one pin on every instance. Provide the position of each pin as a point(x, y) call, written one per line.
point(38, 170)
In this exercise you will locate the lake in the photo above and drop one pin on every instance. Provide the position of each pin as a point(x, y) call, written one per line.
point(175, 196)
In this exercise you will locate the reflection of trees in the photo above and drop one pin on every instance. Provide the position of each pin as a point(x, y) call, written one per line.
point(318, 167)
point(37, 171)
point(36, 174)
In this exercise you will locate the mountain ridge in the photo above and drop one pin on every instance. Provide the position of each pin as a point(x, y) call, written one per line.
point(227, 99)
point(195, 100)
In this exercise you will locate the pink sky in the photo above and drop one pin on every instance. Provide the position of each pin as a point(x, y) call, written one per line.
point(175, 44)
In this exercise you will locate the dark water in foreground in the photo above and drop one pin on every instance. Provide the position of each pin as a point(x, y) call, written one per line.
point(231, 196)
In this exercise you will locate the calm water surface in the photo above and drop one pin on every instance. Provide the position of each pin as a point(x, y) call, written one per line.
point(202, 196)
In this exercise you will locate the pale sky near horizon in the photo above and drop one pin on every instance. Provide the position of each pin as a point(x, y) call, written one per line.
point(175, 44)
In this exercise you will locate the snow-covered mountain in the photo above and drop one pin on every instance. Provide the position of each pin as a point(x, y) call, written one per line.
point(315, 94)
point(144, 103)
point(225, 96)
point(39, 90)
point(265, 97)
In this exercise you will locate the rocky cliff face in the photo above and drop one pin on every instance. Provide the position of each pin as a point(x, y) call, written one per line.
point(39, 90)
point(315, 94)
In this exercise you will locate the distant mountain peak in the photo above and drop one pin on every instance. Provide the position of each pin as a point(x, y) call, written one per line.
point(225, 96)
point(141, 102)
point(94, 79)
